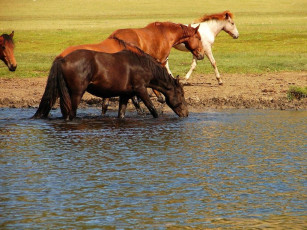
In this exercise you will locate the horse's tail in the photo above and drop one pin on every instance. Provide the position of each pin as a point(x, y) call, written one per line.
point(56, 86)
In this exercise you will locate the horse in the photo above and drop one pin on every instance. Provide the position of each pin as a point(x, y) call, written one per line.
point(7, 51)
point(156, 39)
point(209, 27)
point(124, 74)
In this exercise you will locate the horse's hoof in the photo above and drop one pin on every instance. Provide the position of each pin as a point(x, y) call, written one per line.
point(141, 112)
point(161, 99)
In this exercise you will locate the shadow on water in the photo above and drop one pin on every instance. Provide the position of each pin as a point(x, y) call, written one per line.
point(227, 169)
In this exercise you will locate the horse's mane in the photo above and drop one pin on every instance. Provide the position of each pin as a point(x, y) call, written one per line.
point(147, 61)
point(156, 24)
point(154, 66)
point(127, 45)
point(219, 16)
point(187, 31)
point(7, 38)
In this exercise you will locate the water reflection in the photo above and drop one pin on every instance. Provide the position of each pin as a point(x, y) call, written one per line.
point(214, 169)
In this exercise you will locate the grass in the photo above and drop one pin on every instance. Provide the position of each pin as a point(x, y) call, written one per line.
point(272, 39)
point(296, 92)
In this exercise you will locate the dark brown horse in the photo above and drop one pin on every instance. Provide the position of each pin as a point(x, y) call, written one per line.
point(156, 39)
point(7, 51)
point(124, 74)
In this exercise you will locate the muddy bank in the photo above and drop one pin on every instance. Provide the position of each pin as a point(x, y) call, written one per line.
point(259, 91)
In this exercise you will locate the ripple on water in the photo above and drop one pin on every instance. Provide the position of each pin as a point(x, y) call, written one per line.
point(233, 168)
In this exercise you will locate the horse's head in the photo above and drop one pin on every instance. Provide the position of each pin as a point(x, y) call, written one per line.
point(193, 42)
point(7, 51)
point(230, 26)
point(176, 101)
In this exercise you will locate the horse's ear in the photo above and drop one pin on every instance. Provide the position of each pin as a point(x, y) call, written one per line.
point(12, 34)
point(227, 15)
point(196, 29)
point(1, 40)
point(177, 80)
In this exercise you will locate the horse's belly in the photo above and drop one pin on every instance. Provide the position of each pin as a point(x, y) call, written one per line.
point(108, 90)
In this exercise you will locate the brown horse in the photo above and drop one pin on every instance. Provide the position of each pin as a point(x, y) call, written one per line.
point(7, 51)
point(156, 39)
point(124, 74)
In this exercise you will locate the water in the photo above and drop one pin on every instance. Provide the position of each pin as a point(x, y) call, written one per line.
point(228, 169)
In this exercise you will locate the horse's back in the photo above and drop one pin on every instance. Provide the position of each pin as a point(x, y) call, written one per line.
point(144, 38)
point(107, 46)
point(128, 35)
point(101, 64)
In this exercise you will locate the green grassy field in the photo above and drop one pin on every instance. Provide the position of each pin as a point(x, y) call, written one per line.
point(273, 33)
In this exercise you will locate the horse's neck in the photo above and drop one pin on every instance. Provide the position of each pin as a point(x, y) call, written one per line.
point(180, 37)
point(1, 51)
point(172, 35)
point(159, 84)
point(210, 29)
point(161, 43)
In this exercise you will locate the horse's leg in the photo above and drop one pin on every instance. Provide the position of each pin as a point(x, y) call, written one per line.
point(147, 102)
point(64, 110)
point(122, 106)
point(159, 96)
point(213, 63)
point(168, 69)
point(193, 66)
point(137, 106)
point(105, 104)
point(75, 101)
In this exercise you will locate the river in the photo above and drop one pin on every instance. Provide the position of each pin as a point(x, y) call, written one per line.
point(215, 169)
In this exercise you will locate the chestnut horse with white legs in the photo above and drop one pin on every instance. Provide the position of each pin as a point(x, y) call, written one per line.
point(7, 51)
point(209, 27)
point(156, 39)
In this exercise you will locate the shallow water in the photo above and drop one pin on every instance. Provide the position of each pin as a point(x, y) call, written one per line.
point(226, 169)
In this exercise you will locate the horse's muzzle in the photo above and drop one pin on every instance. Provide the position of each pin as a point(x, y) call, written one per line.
point(182, 112)
point(12, 67)
point(200, 57)
point(235, 36)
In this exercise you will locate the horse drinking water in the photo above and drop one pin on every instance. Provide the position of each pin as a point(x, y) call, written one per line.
point(124, 74)
point(7, 51)
point(209, 27)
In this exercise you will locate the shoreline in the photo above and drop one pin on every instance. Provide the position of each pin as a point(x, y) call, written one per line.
point(240, 91)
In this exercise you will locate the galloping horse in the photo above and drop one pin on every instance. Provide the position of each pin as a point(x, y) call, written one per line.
point(156, 39)
point(209, 27)
point(125, 74)
point(7, 51)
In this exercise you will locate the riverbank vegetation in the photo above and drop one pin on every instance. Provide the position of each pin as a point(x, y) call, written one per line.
point(296, 92)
